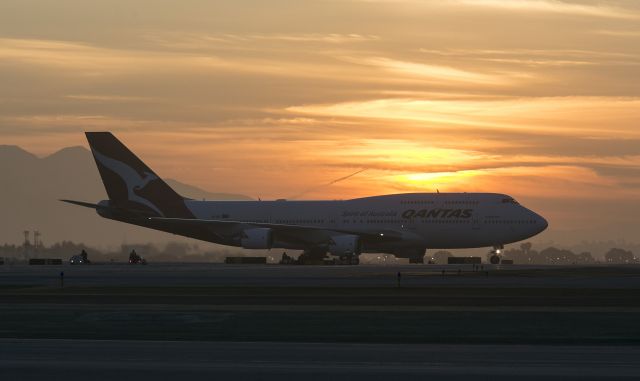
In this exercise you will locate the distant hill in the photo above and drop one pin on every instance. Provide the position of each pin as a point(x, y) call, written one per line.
point(31, 187)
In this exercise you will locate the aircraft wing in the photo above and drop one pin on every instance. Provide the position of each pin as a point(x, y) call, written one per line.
point(311, 234)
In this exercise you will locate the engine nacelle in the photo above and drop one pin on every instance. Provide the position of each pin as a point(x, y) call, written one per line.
point(257, 238)
point(347, 244)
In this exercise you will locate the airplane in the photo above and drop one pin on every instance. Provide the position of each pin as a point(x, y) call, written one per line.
point(405, 225)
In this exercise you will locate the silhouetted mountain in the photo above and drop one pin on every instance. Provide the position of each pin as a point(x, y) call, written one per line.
point(14, 153)
point(31, 187)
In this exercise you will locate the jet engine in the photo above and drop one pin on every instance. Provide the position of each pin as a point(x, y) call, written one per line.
point(347, 244)
point(257, 238)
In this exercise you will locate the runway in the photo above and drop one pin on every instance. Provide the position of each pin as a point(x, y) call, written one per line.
point(204, 321)
point(164, 360)
point(207, 274)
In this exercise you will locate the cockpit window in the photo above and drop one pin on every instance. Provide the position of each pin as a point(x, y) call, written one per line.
point(509, 201)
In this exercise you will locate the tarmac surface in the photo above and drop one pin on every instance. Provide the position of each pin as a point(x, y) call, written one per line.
point(164, 360)
point(213, 274)
point(197, 321)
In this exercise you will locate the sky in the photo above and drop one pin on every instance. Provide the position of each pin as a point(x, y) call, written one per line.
point(539, 99)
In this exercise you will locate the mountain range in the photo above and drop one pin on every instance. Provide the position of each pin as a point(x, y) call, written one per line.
point(32, 186)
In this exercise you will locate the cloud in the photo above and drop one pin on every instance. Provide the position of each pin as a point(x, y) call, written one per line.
point(571, 55)
point(561, 181)
point(226, 40)
point(554, 6)
point(557, 115)
point(107, 98)
point(618, 33)
point(89, 60)
point(81, 58)
point(542, 6)
point(436, 72)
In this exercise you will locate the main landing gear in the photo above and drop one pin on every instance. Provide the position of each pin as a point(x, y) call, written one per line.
point(496, 254)
point(415, 254)
point(348, 260)
point(318, 256)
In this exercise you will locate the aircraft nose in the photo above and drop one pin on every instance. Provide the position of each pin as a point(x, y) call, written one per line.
point(541, 223)
point(544, 224)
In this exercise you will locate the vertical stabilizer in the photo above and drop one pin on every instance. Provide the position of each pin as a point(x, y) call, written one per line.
point(130, 183)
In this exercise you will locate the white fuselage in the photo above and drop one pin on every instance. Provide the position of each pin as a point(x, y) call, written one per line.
point(429, 220)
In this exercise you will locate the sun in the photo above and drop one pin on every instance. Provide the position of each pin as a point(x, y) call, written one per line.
point(437, 180)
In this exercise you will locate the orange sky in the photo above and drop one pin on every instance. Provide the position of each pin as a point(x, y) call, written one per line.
point(539, 99)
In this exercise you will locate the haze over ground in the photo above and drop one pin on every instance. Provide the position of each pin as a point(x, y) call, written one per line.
point(539, 99)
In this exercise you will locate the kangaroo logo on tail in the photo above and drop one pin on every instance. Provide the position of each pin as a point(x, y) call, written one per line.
point(134, 181)
point(129, 180)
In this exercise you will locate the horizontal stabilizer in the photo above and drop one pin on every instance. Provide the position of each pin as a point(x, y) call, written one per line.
point(85, 204)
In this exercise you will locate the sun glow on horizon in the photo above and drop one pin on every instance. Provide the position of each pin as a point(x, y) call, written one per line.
point(438, 180)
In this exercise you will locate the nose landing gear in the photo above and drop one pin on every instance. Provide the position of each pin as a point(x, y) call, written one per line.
point(496, 255)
